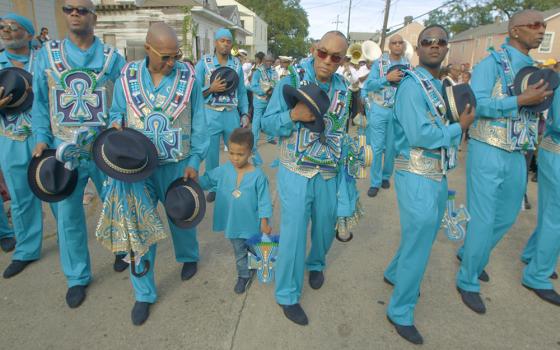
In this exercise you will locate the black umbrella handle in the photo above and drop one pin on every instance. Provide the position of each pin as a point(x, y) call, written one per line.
point(133, 266)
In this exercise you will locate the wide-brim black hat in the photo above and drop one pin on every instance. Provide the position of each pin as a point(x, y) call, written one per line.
point(456, 99)
point(48, 179)
point(185, 203)
point(531, 75)
point(16, 81)
point(126, 155)
point(399, 67)
point(316, 100)
point(229, 75)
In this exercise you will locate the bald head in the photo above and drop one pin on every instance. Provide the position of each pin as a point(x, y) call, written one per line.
point(161, 35)
point(524, 17)
point(334, 34)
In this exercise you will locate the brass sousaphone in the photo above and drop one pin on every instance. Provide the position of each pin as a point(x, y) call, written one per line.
point(370, 50)
point(355, 53)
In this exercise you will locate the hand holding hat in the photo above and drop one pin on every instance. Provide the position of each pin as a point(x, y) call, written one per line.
point(534, 94)
point(534, 88)
point(5, 99)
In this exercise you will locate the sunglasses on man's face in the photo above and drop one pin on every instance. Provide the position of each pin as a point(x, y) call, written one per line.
point(427, 42)
point(534, 26)
point(82, 11)
point(9, 26)
point(166, 58)
point(396, 42)
point(322, 54)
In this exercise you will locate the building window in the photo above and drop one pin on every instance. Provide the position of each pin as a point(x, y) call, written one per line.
point(489, 41)
point(243, 23)
point(546, 45)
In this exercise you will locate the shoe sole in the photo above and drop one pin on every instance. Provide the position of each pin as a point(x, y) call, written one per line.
point(395, 325)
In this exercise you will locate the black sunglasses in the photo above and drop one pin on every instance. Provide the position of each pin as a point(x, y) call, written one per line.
point(433, 41)
point(82, 11)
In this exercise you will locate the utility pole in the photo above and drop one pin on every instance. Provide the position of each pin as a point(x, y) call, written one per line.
point(337, 21)
point(385, 19)
point(348, 28)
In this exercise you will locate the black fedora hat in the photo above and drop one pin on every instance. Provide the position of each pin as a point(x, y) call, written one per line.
point(399, 67)
point(456, 99)
point(531, 75)
point(229, 75)
point(16, 81)
point(48, 179)
point(185, 203)
point(126, 155)
point(316, 100)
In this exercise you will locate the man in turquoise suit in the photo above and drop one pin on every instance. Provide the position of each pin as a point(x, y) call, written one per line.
point(379, 89)
point(496, 169)
point(67, 69)
point(307, 189)
point(226, 112)
point(425, 145)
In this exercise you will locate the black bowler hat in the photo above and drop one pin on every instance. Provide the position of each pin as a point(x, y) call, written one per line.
point(16, 81)
point(456, 99)
point(316, 100)
point(48, 179)
point(400, 67)
point(531, 75)
point(126, 155)
point(185, 203)
point(229, 75)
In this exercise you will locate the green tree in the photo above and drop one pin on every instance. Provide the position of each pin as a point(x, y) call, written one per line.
point(287, 25)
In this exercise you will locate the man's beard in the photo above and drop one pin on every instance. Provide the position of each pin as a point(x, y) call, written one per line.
point(14, 44)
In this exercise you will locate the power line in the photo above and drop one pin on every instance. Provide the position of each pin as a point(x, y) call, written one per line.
point(422, 15)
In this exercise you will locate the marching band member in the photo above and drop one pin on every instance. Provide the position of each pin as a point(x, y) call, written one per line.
point(306, 178)
point(423, 141)
point(379, 88)
point(496, 170)
point(83, 63)
point(224, 111)
point(17, 144)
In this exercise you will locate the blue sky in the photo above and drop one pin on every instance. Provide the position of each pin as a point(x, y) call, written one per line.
point(367, 15)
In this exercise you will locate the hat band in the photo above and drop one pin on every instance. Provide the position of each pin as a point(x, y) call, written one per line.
point(452, 105)
point(525, 82)
point(118, 168)
point(38, 178)
point(308, 98)
point(196, 203)
point(22, 99)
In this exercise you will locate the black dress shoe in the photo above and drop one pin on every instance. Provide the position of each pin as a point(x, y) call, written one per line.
point(120, 265)
point(372, 192)
point(211, 197)
point(484, 276)
point(75, 296)
point(188, 271)
point(140, 313)
point(473, 301)
point(242, 285)
point(7, 244)
point(527, 204)
point(554, 275)
point(385, 184)
point(272, 142)
point(316, 279)
point(295, 314)
point(15, 267)
point(548, 295)
point(409, 333)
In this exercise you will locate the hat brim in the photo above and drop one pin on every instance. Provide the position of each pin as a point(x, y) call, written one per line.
point(292, 96)
point(105, 168)
point(521, 77)
point(32, 180)
point(456, 99)
point(202, 202)
point(400, 67)
point(231, 85)
point(28, 102)
point(531, 75)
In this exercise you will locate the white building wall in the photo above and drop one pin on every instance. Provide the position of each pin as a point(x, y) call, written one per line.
point(44, 16)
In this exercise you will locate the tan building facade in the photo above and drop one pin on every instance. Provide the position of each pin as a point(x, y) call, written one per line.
point(471, 46)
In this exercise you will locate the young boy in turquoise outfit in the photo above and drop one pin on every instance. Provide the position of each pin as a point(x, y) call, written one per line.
point(243, 206)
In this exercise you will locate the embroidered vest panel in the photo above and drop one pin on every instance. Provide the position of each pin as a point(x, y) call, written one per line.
point(308, 153)
point(78, 97)
point(229, 101)
point(165, 120)
point(550, 145)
